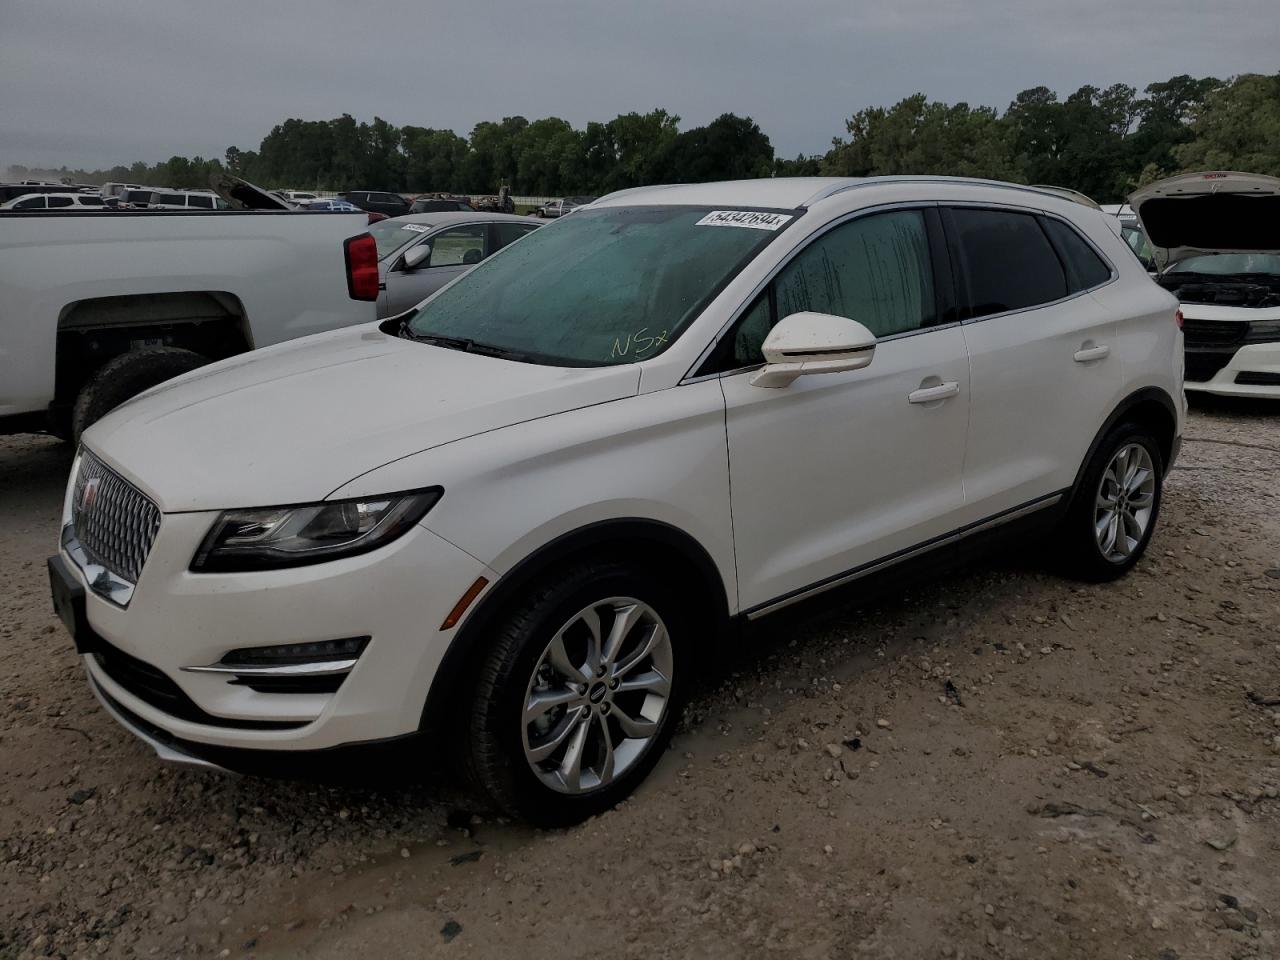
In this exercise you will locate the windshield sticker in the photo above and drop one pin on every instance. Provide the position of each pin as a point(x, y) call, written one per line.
point(744, 218)
point(637, 344)
point(415, 227)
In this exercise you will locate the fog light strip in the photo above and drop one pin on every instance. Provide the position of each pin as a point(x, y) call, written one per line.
point(322, 668)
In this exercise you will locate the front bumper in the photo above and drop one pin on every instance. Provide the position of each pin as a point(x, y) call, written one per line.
point(397, 595)
point(1256, 364)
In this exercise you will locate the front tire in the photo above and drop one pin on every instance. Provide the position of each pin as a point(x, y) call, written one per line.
point(1113, 514)
point(577, 699)
point(126, 376)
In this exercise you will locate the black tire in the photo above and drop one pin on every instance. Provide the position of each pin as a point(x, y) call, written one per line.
point(1082, 554)
point(127, 376)
point(493, 748)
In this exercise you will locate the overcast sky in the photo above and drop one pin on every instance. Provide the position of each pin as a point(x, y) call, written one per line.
point(113, 81)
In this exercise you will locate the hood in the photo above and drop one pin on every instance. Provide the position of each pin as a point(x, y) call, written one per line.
point(243, 195)
point(1217, 212)
point(292, 423)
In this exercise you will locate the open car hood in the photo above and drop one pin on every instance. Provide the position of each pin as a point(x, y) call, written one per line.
point(1214, 212)
point(243, 195)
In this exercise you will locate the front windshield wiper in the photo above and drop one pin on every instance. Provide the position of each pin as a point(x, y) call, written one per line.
point(466, 345)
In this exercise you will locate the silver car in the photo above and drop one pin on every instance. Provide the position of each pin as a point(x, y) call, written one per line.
point(420, 252)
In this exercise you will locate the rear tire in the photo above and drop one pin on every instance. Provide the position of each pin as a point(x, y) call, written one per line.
point(1114, 511)
point(615, 704)
point(126, 376)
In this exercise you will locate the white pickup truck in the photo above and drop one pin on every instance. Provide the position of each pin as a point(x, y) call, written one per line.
point(96, 308)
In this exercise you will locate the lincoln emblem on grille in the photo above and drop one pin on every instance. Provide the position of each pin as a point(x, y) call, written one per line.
point(90, 494)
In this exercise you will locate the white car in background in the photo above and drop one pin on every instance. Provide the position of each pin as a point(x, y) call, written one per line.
point(187, 200)
point(513, 524)
point(78, 202)
point(1217, 246)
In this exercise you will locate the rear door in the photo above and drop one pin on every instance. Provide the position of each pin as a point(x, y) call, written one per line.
point(1043, 352)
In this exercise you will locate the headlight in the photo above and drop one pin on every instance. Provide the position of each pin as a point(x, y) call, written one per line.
point(1264, 330)
point(273, 537)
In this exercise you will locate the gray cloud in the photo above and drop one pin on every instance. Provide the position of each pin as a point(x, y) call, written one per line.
point(122, 80)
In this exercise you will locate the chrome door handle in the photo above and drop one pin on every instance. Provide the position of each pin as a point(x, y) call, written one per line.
point(943, 391)
point(1085, 354)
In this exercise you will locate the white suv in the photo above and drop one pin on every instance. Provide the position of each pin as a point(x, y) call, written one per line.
point(519, 516)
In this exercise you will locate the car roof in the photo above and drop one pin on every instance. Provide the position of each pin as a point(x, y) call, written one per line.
point(785, 193)
point(439, 218)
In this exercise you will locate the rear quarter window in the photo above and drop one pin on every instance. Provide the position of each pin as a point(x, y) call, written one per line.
point(1084, 268)
point(1006, 261)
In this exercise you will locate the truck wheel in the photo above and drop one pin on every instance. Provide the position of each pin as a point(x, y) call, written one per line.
point(127, 376)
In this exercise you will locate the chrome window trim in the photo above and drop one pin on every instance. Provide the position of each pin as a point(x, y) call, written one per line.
point(1015, 208)
point(692, 377)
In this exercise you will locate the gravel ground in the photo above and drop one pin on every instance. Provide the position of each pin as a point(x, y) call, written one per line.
point(997, 764)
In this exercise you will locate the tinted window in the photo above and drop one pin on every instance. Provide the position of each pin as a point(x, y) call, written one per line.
point(91, 201)
point(1006, 261)
point(171, 199)
point(1084, 267)
point(458, 247)
point(875, 270)
point(511, 232)
point(200, 201)
point(61, 202)
point(35, 203)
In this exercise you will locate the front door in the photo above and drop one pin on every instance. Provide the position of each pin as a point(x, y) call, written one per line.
point(454, 251)
point(838, 471)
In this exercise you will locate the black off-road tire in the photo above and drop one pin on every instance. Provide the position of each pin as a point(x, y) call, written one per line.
point(492, 750)
point(126, 376)
point(1082, 556)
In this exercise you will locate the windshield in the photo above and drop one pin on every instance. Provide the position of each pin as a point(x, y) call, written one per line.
point(391, 235)
point(605, 286)
point(1228, 263)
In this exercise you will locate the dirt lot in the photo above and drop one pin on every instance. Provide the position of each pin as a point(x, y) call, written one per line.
point(1001, 764)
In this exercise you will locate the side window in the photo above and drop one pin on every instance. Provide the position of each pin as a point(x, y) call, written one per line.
point(35, 203)
point(506, 233)
point(61, 202)
point(1084, 267)
point(874, 269)
point(91, 201)
point(198, 200)
point(460, 246)
point(1006, 261)
point(752, 328)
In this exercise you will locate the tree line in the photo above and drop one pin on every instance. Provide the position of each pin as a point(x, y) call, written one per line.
point(1103, 142)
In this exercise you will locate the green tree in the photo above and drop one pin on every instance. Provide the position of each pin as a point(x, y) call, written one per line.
point(1236, 127)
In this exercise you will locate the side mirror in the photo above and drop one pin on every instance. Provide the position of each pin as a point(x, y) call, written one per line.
point(417, 256)
point(805, 343)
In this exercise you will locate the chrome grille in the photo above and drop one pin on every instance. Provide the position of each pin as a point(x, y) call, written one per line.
point(117, 523)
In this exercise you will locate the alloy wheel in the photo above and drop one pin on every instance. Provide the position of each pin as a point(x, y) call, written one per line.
point(1125, 501)
point(598, 695)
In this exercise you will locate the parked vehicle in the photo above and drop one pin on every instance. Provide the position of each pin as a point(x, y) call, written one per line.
point(558, 208)
point(501, 203)
point(510, 526)
point(186, 200)
point(12, 191)
point(389, 204)
point(94, 310)
point(300, 197)
point(81, 202)
point(441, 204)
point(112, 189)
point(342, 206)
point(138, 199)
point(420, 252)
point(1217, 248)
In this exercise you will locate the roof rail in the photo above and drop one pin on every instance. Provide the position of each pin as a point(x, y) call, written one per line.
point(853, 183)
